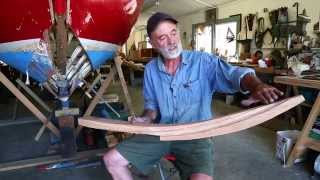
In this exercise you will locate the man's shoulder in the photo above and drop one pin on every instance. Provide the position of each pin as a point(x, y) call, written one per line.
point(199, 56)
point(152, 63)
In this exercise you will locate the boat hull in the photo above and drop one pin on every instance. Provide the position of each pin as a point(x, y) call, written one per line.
point(101, 26)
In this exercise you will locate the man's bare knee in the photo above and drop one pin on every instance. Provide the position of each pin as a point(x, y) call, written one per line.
point(114, 159)
point(200, 176)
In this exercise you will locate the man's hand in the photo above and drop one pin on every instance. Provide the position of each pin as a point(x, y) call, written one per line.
point(265, 93)
point(148, 116)
point(137, 120)
point(259, 90)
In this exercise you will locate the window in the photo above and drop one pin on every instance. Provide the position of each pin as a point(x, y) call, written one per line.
point(203, 38)
point(225, 39)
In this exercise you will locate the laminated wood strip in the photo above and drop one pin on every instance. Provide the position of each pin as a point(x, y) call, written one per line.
point(237, 122)
point(159, 129)
point(241, 125)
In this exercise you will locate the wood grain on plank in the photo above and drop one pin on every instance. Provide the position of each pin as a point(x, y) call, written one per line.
point(245, 123)
point(223, 125)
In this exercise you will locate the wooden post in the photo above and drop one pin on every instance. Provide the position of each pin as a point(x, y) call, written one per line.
point(304, 140)
point(298, 108)
point(103, 88)
point(124, 85)
point(98, 96)
point(6, 82)
point(34, 96)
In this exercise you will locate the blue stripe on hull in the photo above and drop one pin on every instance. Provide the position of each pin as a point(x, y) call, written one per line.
point(37, 66)
point(97, 58)
point(17, 60)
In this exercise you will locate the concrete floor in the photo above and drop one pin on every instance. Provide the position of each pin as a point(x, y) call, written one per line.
point(247, 155)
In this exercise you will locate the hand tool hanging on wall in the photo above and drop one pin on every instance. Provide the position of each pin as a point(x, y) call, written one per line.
point(279, 21)
point(250, 20)
point(261, 32)
point(242, 35)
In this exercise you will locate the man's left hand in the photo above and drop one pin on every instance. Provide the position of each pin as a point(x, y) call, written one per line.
point(266, 93)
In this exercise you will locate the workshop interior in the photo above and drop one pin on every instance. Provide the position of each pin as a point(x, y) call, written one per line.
point(73, 76)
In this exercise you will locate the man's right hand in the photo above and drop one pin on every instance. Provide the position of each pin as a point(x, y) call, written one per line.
point(141, 120)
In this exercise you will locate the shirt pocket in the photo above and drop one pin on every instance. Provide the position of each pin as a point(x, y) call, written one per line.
point(191, 92)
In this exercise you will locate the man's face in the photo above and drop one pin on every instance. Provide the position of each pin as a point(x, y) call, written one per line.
point(166, 39)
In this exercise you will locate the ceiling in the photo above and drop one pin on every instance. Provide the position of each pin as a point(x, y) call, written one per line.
point(179, 7)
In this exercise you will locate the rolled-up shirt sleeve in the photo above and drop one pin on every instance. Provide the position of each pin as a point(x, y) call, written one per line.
point(149, 96)
point(224, 77)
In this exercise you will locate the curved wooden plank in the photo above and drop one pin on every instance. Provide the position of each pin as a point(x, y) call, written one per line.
point(174, 129)
point(158, 129)
point(236, 122)
point(241, 125)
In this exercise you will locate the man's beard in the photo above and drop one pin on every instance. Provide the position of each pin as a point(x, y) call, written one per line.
point(169, 54)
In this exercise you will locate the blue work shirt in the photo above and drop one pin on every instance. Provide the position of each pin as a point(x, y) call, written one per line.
point(186, 96)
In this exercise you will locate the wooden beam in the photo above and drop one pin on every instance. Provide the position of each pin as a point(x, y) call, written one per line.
point(124, 85)
point(18, 122)
point(176, 129)
point(34, 96)
point(6, 82)
point(47, 160)
point(213, 127)
point(303, 140)
point(98, 96)
point(295, 81)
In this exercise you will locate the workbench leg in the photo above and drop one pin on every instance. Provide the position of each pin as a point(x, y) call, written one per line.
point(298, 108)
point(300, 147)
point(288, 116)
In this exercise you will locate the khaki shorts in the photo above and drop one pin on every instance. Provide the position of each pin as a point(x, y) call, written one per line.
point(194, 156)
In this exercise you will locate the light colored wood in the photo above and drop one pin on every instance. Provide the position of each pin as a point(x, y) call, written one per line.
point(312, 144)
point(34, 96)
point(6, 82)
point(219, 126)
point(40, 132)
point(174, 129)
point(245, 123)
point(98, 96)
point(48, 88)
point(124, 85)
point(47, 160)
point(304, 140)
point(16, 104)
point(21, 121)
point(105, 84)
point(295, 81)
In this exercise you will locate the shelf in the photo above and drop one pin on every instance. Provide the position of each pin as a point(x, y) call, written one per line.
point(312, 144)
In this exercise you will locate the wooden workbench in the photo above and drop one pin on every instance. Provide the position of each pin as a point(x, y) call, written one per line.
point(304, 141)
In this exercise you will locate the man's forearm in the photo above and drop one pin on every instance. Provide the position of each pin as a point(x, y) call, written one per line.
point(259, 90)
point(250, 82)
